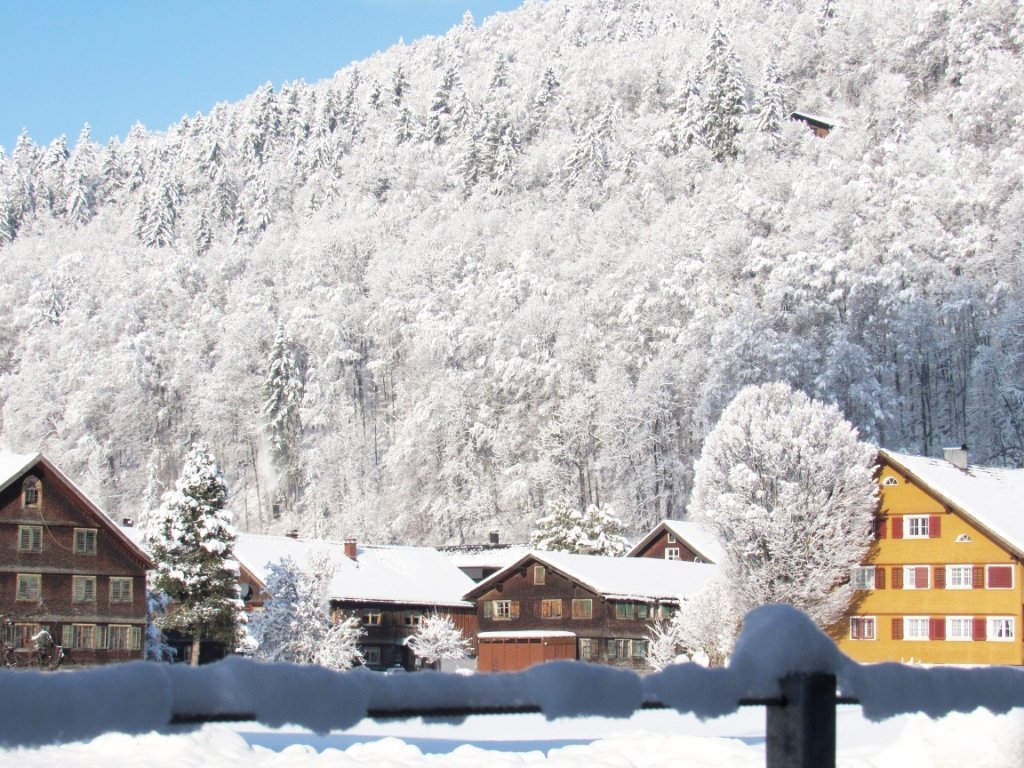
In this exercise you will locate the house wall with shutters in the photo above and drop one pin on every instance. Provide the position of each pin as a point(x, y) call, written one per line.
point(899, 604)
point(661, 542)
point(61, 510)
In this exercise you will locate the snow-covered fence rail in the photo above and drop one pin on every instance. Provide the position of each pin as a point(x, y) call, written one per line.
point(781, 661)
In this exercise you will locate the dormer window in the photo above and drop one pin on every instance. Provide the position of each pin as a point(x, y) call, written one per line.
point(30, 492)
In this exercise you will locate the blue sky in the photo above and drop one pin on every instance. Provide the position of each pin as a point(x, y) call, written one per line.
point(114, 62)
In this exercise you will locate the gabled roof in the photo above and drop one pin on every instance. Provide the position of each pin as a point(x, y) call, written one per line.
point(486, 557)
point(625, 578)
point(14, 466)
point(989, 497)
point(701, 541)
point(416, 576)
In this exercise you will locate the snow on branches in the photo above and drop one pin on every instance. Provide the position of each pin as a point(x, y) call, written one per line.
point(438, 639)
point(594, 531)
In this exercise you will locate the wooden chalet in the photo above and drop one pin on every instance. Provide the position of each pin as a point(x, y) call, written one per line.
point(67, 568)
point(391, 589)
point(822, 126)
point(679, 540)
point(553, 605)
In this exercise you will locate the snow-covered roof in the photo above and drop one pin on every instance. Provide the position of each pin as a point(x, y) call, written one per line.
point(991, 497)
point(525, 634)
point(626, 578)
point(385, 574)
point(829, 121)
point(486, 557)
point(700, 540)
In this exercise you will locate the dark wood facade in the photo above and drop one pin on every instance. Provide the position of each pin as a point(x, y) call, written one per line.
point(533, 599)
point(66, 568)
point(388, 627)
point(666, 545)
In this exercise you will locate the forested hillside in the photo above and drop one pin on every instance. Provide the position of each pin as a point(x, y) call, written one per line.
point(529, 261)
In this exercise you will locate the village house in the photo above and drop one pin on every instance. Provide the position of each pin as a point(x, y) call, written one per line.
point(942, 583)
point(554, 605)
point(66, 568)
point(391, 588)
point(679, 540)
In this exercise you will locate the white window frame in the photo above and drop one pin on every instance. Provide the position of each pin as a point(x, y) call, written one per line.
point(502, 610)
point(540, 575)
point(29, 588)
point(582, 609)
point(959, 577)
point(670, 539)
point(920, 522)
point(83, 636)
point(890, 481)
point(1001, 629)
point(959, 628)
point(910, 579)
point(551, 608)
point(866, 621)
point(988, 570)
point(85, 541)
point(34, 536)
point(122, 589)
point(862, 577)
point(83, 589)
point(373, 617)
point(921, 625)
point(672, 553)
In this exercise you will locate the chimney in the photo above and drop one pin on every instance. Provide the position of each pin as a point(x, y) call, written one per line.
point(494, 537)
point(127, 522)
point(956, 456)
point(350, 548)
point(293, 533)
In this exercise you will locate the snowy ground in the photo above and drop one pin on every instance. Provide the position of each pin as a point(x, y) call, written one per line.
point(646, 740)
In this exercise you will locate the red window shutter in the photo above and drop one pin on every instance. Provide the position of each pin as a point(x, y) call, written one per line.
point(940, 577)
point(978, 577)
point(921, 577)
point(897, 577)
point(934, 527)
point(978, 628)
point(938, 629)
point(897, 628)
point(879, 527)
point(1000, 576)
point(879, 578)
point(897, 527)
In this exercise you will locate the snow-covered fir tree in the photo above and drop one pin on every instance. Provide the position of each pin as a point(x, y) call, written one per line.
point(593, 531)
point(193, 549)
point(282, 414)
point(437, 639)
point(788, 488)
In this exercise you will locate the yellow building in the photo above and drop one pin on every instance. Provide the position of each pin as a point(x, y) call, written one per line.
point(942, 583)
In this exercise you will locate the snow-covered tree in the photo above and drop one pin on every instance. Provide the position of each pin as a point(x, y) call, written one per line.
point(723, 105)
point(437, 639)
point(594, 531)
point(156, 646)
point(706, 625)
point(771, 105)
point(340, 648)
point(276, 627)
point(193, 548)
point(282, 403)
point(787, 486)
point(663, 646)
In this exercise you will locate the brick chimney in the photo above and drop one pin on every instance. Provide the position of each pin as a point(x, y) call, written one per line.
point(956, 456)
point(350, 548)
point(494, 537)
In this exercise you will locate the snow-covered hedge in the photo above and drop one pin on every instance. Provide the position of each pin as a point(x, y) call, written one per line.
point(41, 708)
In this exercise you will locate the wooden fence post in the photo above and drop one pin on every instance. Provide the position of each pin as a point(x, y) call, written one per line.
point(800, 729)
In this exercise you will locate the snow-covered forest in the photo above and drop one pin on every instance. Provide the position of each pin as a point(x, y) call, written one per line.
point(530, 261)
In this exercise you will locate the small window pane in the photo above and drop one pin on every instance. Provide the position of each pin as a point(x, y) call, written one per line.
point(85, 541)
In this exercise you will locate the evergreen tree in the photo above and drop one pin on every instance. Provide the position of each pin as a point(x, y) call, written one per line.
point(80, 183)
point(193, 549)
point(275, 629)
point(771, 106)
point(723, 104)
point(399, 85)
point(593, 531)
point(282, 402)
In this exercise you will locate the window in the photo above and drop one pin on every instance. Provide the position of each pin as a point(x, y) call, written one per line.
point(83, 589)
point(666, 611)
point(1000, 628)
point(862, 628)
point(372, 654)
point(23, 634)
point(586, 648)
point(672, 553)
point(118, 637)
point(502, 610)
point(30, 538)
point(618, 649)
point(959, 577)
point(915, 527)
point(639, 649)
point(81, 635)
point(915, 576)
point(583, 608)
point(85, 541)
point(551, 609)
point(372, 617)
point(412, 618)
point(964, 538)
point(30, 587)
point(30, 492)
point(959, 628)
point(916, 628)
point(623, 610)
point(539, 575)
point(999, 576)
point(890, 481)
point(120, 589)
point(863, 577)
point(671, 539)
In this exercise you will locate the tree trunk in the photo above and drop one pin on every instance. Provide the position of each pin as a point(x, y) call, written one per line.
point(194, 660)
